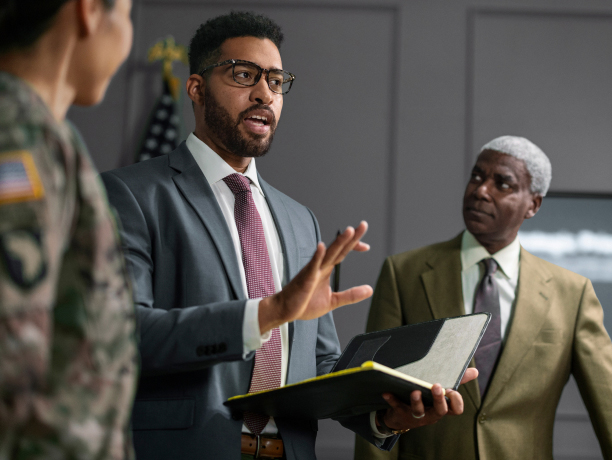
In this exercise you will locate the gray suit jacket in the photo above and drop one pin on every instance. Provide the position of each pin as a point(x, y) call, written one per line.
point(190, 303)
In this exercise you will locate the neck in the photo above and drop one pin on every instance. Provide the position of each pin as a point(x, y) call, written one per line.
point(45, 67)
point(238, 163)
point(493, 246)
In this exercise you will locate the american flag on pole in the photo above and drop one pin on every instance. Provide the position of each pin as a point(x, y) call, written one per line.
point(162, 133)
point(163, 130)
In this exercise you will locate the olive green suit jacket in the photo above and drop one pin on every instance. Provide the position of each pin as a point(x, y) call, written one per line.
point(556, 330)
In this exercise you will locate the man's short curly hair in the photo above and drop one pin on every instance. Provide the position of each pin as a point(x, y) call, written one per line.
point(205, 46)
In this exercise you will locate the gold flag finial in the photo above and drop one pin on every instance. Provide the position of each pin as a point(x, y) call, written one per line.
point(167, 51)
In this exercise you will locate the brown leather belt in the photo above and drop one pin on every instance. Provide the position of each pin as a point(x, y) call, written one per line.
point(262, 446)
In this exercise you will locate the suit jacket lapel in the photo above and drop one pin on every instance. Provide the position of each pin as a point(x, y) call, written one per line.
point(284, 228)
point(443, 282)
point(286, 235)
point(530, 310)
point(196, 191)
point(444, 292)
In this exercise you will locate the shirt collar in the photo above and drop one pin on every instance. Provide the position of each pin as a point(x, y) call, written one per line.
point(472, 252)
point(214, 167)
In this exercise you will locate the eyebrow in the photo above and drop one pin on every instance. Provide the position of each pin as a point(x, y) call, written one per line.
point(506, 177)
point(244, 61)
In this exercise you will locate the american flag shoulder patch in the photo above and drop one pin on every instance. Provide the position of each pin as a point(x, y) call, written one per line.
point(19, 178)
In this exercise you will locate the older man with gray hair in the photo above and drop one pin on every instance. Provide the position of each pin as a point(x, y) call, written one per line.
point(546, 321)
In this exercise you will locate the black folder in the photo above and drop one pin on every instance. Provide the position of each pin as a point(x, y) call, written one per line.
point(398, 360)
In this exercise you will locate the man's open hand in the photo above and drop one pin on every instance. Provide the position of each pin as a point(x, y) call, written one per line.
point(308, 295)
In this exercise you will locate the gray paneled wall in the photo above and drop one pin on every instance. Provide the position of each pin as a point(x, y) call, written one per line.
point(547, 75)
point(391, 100)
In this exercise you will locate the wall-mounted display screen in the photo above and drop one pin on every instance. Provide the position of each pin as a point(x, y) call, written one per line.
point(575, 232)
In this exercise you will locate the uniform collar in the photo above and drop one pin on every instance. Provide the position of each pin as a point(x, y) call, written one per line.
point(472, 252)
point(214, 167)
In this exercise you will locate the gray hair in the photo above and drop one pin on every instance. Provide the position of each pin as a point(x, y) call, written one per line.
point(537, 163)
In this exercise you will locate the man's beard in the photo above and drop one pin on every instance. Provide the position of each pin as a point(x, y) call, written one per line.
point(227, 130)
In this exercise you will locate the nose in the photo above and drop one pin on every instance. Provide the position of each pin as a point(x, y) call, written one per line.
point(482, 190)
point(261, 92)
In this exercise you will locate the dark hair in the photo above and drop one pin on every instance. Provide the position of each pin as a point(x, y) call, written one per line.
point(205, 46)
point(23, 22)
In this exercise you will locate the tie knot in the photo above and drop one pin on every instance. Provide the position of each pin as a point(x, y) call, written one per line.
point(490, 266)
point(238, 183)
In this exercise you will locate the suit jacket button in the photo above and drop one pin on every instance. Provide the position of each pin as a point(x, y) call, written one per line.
point(222, 347)
point(483, 418)
point(200, 350)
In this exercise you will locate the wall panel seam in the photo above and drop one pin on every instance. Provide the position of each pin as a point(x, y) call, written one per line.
point(371, 5)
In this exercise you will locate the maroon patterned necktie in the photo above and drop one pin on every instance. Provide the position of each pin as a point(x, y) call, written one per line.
point(487, 300)
point(260, 283)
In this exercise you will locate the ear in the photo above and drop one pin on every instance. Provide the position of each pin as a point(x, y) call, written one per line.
point(195, 88)
point(534, 206)
point(89, 14)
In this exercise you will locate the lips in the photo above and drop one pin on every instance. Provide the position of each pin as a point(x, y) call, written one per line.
point(477, 212)
point(259, 121)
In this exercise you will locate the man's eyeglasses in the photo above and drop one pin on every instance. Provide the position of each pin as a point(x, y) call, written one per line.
point(248, 74)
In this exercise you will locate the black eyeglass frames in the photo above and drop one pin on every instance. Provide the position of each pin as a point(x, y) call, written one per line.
point(248, 73)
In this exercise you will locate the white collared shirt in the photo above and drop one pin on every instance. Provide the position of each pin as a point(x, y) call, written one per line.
point(506, 276)
point(215, 169)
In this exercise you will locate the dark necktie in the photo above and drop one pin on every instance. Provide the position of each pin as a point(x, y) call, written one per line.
point(260, 283)
point(487, 300)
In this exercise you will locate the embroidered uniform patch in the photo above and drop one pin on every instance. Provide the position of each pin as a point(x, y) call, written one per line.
point(23, 256)
point(19, 178)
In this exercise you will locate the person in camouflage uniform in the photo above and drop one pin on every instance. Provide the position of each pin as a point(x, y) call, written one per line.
point(68, 356)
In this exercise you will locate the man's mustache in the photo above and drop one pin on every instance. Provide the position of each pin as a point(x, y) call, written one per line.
point(254, 107)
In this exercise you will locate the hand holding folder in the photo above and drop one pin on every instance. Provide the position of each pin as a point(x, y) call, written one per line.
point(401, 417)
point(397, 361)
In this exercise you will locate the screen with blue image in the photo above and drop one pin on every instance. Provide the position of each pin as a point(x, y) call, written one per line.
point(575, 232)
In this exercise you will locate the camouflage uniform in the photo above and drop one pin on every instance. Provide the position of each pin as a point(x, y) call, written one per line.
point(68, 357)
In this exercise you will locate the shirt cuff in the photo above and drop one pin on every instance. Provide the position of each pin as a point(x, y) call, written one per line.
point(251, 338)
point(375, 431)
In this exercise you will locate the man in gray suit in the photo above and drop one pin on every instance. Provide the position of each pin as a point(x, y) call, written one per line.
point(227, 268)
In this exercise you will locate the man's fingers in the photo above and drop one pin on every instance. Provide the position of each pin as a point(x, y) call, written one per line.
point(400, 415)
point(392, 400)
point(361, 247)
point(333, 251)
point(317, 259)
point(307, 278)
point(361, 230)
point(352, 295)
point(456, 402)
point(470, 374)
point(416, 404)
point(439, 402)
point(345, 243)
